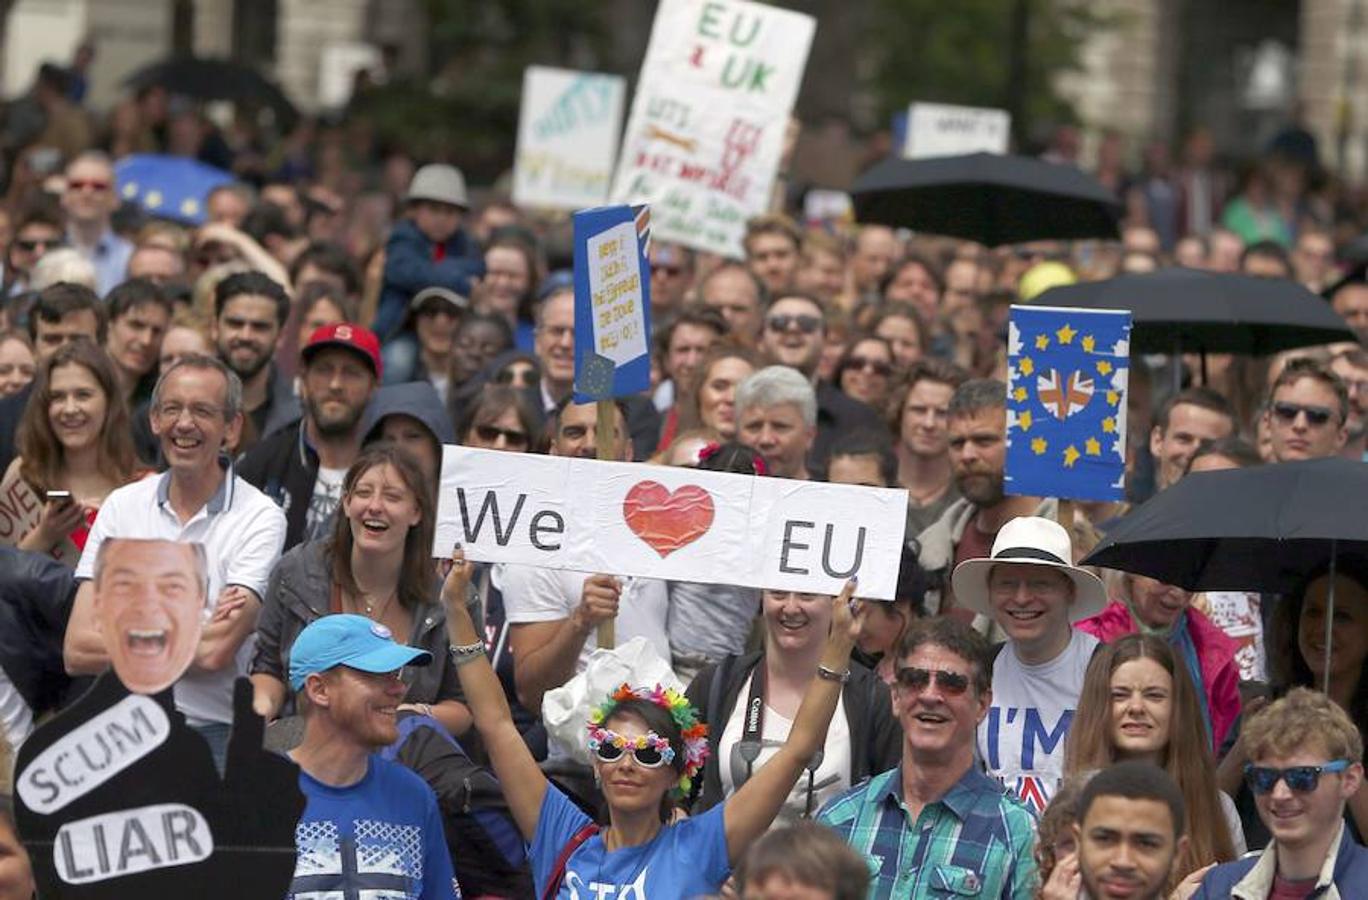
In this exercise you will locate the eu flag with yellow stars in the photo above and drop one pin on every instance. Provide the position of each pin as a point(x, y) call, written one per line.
point(1066, 402)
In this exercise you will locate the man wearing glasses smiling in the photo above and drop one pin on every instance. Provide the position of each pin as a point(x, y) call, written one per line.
point(89, 202)
point(937, 824)
point(1306, 764)
point(1308, 408)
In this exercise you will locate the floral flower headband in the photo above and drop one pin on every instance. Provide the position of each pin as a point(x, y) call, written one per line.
point(694, 732)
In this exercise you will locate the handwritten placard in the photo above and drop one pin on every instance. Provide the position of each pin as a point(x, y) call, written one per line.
point(669, 522)
point(706, 131)
point(612, 302)
point(939, 129)
point(568, 129)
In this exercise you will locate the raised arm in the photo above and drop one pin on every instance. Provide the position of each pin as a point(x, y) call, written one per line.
point(545, 654)
point(524, 785)
point(83, 647)
point(750, 810)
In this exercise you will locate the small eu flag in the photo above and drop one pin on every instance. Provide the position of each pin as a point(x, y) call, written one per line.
point(1066, 402)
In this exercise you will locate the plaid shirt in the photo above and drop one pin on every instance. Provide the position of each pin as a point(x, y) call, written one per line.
point(974, 842)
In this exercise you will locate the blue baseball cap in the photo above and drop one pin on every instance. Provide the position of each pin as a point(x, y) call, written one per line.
point(352, 641)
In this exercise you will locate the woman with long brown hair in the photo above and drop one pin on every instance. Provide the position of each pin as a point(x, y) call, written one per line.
point(378, 564)
point(708, 399)
point(75, 446)
point(1138, 703)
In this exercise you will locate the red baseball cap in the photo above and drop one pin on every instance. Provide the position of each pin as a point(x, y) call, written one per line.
point(344, 334)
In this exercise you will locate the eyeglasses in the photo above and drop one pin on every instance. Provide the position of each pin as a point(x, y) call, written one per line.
point(805, 324)
point(88, 184)
point(650, 750)
point(490, 433)
point(671, 271)
point(1302, 779)
point(916, 680)
point(1316, 416)
point(200, 412)
point(877, 366)
point(30, 245)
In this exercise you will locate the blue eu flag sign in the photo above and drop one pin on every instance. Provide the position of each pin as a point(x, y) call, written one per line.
point(1066, 402)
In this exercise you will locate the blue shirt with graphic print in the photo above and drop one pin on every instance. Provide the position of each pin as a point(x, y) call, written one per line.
point(688, 859)
point(380, 837)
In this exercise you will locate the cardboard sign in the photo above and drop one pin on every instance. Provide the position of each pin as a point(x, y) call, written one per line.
point(21, 509)
point(706, 132)
point(568, 129)
point(117, 796)
point(612, 302)
point(669, 522)
point(1066, 402)
point(937, 129)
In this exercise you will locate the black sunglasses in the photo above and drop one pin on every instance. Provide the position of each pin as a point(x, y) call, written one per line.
point(805, 324)
point(916, 680)
point(491, 433)
point(1315, 415)
point(524, 377)
point(28, 246)
point(1302, 779)
point(877, 366)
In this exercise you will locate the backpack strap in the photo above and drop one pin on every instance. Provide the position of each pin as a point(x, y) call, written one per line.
point(553, 883)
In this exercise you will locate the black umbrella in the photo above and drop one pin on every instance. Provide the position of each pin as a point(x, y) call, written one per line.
point(1188, 310)
point(1266, 528)
point(987, 198)
point(215, 79)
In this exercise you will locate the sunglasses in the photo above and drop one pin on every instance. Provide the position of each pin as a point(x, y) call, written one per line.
point(1302, 779)
point(524, 377)
point(78, 184)
point(28, 246)
point(491, 433)
point(877, 366)
point(650, 750)
point(916, 680)
point(805, 324)
point(671, 271)
point(1315, 415)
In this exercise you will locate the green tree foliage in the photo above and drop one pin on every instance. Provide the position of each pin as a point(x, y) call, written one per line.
point(963, 52)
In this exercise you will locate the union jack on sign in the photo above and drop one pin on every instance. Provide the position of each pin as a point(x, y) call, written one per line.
point(1064, 395)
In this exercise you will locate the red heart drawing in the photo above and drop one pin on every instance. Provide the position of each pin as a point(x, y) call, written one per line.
point(665, 520)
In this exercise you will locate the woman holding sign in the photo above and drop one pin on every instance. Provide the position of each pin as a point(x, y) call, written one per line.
point(648, 745)
point(75, 447)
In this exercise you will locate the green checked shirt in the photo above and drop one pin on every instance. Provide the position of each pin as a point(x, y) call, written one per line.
point(974, 842)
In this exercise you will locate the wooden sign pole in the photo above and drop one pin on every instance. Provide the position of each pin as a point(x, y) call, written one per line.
point(604, 431)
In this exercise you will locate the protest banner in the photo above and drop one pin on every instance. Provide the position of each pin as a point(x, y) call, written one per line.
point(706, 131)
point(117, 796)
point(669, 522)
point(1066, 403)
point(568, 129)
point(939, 129)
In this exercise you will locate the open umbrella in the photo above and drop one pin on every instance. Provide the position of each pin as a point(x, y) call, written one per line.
point(986, 197)
point(172, 187)
point(1192, 311)
point(215, 79)
point(1266, 528)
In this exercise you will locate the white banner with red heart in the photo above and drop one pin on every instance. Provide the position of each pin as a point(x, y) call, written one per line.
point(669, 522)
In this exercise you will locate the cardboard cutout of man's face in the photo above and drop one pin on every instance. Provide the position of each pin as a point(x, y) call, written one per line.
point(149, 604)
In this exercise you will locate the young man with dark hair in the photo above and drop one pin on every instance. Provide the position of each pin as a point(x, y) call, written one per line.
point(1307, 412)
point(919, 415)
point(1130, 832)
point(250, 310)
point(862, 457)
point(37, 232)
point(1305, 765)
point(301, 467)
point(1185, 420)
point(772, 244)
point(734, 293)
point(139, 314)
point(977, 414)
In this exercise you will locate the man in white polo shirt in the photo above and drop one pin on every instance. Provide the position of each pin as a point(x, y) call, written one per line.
point(196, 412)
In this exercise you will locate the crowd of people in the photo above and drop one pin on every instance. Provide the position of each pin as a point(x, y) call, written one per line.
point(276, 386)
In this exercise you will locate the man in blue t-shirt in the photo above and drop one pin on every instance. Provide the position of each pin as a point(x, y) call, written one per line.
point(370, 827)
